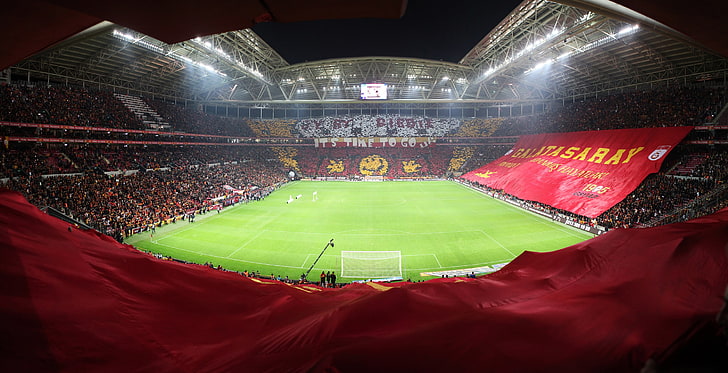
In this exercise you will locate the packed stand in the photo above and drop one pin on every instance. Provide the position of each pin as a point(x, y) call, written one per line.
point(481, 156)
point(386, 162)
point(479, 127)
point(657, 196)
point(25, 159)
point(460, 155)
point(377, 125)
point(272, 128)
point(714, 166)
point(30, 159)
point(663, 198)
point(679, 106)
point(64, 105)
point(194, 121)
point(118, 204)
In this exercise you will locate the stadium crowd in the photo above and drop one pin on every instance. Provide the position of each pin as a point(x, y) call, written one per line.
point(659, 199)
point(479, 127)
point(678, 106)
point(64, 105)
point(713, 166)
point(194, 121)
point(387, 162)
point(74, 106)
point(31, 159)
point(176, 187)
point(657, 196)
point(376, 125)
point(483, 155)
point(116, 204)
point(281, 128)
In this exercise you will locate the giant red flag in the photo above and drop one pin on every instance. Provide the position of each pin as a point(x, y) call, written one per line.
point(582, 172)
point(77, 301)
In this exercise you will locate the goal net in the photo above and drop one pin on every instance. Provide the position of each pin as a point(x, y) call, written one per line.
point(371, 264)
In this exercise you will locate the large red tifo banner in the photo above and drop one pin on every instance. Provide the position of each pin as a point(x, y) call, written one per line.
point(582, 172)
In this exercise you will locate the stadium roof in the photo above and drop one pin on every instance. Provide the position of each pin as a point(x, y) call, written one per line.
point(541, 51)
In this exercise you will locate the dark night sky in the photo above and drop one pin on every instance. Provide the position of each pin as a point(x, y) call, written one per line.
point(437, 30)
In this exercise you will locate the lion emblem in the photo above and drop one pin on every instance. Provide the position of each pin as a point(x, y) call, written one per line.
point(335, 166)
point(373, 165)
point(410, 166)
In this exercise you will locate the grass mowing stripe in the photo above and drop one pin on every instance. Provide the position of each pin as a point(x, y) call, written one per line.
point(434, 224)
point(566, 229)
point(221, 257)
point(246, 242)
point(497, 242)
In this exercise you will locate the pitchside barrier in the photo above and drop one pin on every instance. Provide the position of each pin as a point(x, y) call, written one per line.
point(559, 218)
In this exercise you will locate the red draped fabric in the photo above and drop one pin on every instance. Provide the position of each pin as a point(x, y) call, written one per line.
point(77, 301)
point(582, 172)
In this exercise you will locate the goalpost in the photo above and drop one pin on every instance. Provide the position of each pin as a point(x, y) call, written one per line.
point(371, 264)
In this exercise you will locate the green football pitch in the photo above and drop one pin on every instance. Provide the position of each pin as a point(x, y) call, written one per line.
point(432, 226)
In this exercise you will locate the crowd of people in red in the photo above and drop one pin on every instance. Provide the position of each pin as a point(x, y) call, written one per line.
point(386, 162)
point(64, 105)
point(194, 121)
point(678, 106)
point(74, 106)
point(117, 204)
point(143, 198)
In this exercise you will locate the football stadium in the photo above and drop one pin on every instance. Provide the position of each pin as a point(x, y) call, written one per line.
point(533, 186)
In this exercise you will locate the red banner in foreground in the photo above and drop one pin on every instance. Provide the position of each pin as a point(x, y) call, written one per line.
point(582, 172)
point(76, 301)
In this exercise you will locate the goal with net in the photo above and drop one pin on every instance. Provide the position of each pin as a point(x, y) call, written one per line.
point(371, 264)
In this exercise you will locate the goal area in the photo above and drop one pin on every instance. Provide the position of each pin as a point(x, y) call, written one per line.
point(371, 264)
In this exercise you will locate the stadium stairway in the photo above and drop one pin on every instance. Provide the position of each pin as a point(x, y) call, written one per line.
point(688, 165)
point(149, 117)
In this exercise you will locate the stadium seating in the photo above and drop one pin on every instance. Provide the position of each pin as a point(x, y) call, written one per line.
point(190, 120)
point(64, 105)
point(272, 128)
point(119, 204)
point(705, 166)
point(376, 125)
point(398, 162)
point(658, 108)
point(479, 127)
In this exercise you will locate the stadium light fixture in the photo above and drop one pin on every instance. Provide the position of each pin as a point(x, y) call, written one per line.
point(139, 41)
point(161, 50)
point(221, 53)
point(628, 30)
point(609, 38)
point(555, 32)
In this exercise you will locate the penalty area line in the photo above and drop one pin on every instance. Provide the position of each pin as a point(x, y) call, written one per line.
point(497, 242)
point(226, 258)
point(433, 255)
point(246, 243)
